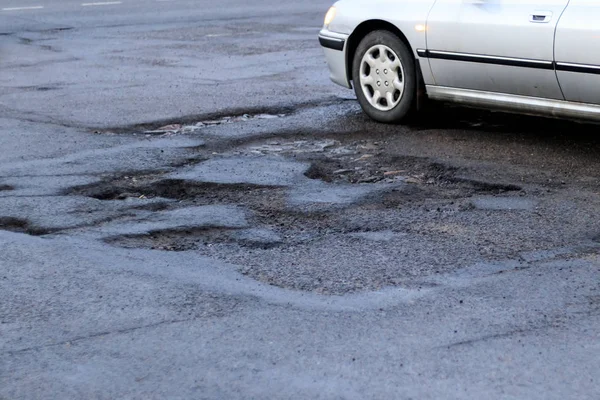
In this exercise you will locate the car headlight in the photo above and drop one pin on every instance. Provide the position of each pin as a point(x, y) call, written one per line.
point(329, 16)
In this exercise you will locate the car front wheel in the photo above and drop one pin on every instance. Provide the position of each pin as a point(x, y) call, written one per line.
point(384, 77)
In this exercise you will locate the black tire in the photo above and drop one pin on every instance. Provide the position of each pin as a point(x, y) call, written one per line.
point(407, 105)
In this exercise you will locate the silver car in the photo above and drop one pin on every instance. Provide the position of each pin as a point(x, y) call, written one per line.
point(529, 56)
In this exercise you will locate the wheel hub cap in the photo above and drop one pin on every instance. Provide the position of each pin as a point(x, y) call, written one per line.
point(382, 77)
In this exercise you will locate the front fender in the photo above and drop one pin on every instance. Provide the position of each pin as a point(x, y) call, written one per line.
point(409, 16)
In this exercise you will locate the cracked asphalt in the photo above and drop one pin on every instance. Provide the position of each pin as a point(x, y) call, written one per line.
point(190, 209)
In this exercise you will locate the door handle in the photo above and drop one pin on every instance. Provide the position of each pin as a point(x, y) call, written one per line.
point(540, 17)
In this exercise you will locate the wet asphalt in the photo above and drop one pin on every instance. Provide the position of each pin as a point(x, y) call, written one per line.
point(190, 209)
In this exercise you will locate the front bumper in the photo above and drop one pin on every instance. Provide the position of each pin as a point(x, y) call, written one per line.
point(335, 46)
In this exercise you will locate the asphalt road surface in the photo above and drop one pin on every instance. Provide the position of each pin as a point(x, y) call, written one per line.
point(189, 209)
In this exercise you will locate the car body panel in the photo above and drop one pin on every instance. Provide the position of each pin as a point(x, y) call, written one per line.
point(409, 16)
point(499, 29)
point(577, 51)
point(515, 103)
point(334, 45)
point(499, 54)
point(405, 15)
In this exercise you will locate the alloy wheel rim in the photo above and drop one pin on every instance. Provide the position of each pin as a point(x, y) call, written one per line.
point(382, 77)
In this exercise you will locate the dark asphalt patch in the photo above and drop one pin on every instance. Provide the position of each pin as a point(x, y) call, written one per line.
point(207, 192)
point(194, 239)
point(46, 88)
point(13, 224)
point(413, 170)
point(487, 187)
point(119, 187)
point(373, 168)
point(40, 88)
point(197, 193)
point(60, 29)
point(21, 226)
point(172, 240)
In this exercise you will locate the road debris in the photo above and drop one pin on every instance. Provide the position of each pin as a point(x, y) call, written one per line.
point(393, 173)
point(173, 129)
point(298, 146)
point(364, 157)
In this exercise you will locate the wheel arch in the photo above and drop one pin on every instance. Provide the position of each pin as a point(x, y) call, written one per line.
point(364, 29)
point(369, 26)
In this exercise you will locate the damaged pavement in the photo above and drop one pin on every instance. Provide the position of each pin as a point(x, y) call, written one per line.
point(287, 252)
point(293, 250)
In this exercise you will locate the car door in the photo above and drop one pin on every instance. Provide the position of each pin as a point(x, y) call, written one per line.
point(577, 51)
point(502, 46)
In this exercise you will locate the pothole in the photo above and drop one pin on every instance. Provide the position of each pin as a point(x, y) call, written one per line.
point(410, 170)
point(210, 193)
point(20, 225)
point(487, 187)
point(298, 225)
point(360, 247)
point(316, 171)
point(373, 168)
point(199, 193)
point(13, 224)
point(120, 187)
point(293, 147)
point(369, 161)
point(172, 129)
point(193, 239)
point(191, 126)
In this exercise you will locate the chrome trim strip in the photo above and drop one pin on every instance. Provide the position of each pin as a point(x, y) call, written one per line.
point(578, 65)
point(486, 59)
point(515, 103)
point(509, 61)
point(581, 68)
point(332, 38)
point(469, 55)
point(326, 33)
